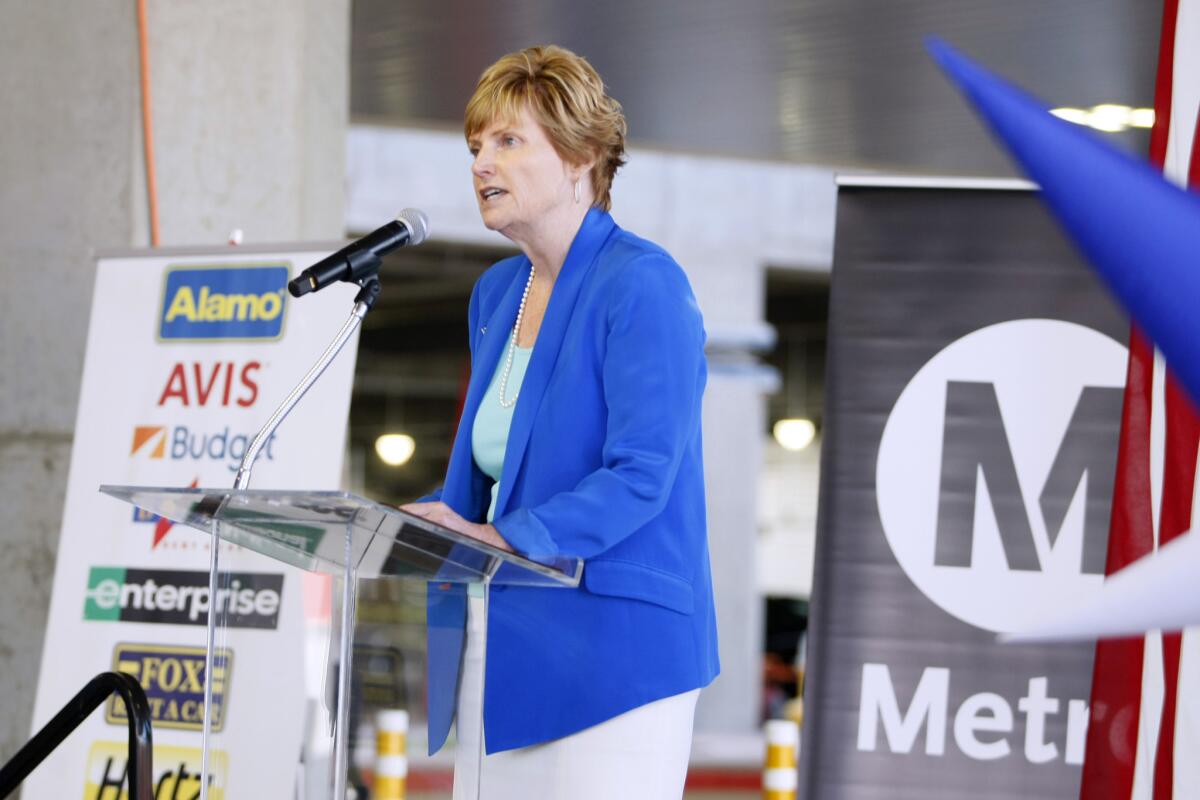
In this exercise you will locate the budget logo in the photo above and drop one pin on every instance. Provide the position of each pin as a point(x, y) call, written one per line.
point(173, 678)
point(177, 772)
point(178, 597)
point(996, 466)
point(190, 443)
point(223, 303)
point(149, 440)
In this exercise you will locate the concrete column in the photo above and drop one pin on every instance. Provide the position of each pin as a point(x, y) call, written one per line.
point(251, 105)
point(734, 411)
point(250, 112)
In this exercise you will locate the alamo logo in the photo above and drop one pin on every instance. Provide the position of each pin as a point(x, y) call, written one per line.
point(223, 303)
point(173, 678)
point(995, 470)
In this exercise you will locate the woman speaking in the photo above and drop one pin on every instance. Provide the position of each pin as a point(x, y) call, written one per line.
point(580, 436)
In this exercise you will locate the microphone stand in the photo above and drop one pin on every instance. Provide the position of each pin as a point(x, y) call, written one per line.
point(363, 302)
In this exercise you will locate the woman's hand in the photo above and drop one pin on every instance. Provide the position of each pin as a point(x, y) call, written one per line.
point(447, 517)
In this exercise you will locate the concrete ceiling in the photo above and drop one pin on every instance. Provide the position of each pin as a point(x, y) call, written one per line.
point(844, 83)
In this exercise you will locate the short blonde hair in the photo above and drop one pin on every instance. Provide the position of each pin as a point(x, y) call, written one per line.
point(566, 96)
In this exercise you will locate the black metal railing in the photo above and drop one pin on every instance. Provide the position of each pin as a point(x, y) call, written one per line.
point(98, 689)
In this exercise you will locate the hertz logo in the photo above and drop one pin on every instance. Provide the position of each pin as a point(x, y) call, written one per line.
point(173, 678)
point(224, 303)
point(177, 772)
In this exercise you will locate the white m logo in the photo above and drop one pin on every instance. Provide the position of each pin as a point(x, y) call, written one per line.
point(996, 466)
point(975, 448)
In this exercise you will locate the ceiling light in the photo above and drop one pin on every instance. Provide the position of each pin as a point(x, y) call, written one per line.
point(1108, 117)
point(395, 448)
point(794, 434)
point(1141, 118)
point(1076, 115)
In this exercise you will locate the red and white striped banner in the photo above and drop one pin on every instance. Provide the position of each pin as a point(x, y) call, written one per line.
point(1145, 705)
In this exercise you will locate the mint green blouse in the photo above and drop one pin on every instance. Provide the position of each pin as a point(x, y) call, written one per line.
point(489, 434)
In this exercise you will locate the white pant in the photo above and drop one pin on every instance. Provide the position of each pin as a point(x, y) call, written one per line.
point(639, 755)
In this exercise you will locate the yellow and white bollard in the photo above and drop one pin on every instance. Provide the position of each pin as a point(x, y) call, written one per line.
point(391, 761)
point(780, 776)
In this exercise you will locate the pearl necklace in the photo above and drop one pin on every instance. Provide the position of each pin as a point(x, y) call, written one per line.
point(512, 346)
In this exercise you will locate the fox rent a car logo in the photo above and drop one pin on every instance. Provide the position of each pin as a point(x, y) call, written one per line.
point(173, 678)
point(995, 468)
point(223, 303)
point(178, 597)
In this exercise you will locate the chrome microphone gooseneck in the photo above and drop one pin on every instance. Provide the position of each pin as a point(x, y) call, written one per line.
point(356, 263)
point(362, 304)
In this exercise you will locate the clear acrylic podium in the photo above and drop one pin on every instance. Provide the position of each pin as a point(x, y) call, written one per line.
point(335, 534)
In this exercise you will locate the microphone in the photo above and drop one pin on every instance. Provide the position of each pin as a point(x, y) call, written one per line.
point(363, 258)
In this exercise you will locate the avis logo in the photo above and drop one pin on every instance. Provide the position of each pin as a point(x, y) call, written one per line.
point(223, 383)
point(996, 466)
point(223, 303)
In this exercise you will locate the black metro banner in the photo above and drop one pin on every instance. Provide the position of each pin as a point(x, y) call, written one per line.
point(973, 404)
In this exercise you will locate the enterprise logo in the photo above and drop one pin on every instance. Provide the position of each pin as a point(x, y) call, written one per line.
point(223, 303)
point(177, 597)
point(173, 678)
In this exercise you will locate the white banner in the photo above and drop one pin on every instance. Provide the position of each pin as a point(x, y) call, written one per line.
point(187, 355)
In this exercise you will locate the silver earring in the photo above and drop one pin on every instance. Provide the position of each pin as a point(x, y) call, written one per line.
point(577, 192)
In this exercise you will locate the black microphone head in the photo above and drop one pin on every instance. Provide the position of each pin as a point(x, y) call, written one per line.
point(301, 285)
point(417, 223)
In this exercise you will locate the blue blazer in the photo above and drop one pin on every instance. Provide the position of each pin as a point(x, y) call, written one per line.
point(604, 463)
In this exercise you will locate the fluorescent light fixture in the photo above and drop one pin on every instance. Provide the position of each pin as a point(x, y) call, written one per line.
point(1141, 118)
point(395, 449)
point(1110, 117)
point(794, 434)
point(1107, 117)
point(1076, 115)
